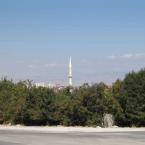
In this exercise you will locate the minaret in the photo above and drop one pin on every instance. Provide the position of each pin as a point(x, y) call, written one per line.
point(70, 72)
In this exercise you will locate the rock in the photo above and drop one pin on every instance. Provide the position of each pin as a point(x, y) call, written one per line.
point(108, 120)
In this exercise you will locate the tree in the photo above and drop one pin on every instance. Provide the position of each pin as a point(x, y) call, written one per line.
point(132, 99)
point(116, 88)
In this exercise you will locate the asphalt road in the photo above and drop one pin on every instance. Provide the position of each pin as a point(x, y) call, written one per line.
point(38, 138)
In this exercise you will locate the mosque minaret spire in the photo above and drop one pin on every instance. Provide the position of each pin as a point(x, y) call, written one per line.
point(70, 72)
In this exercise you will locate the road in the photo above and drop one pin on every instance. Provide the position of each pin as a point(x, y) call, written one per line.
point(73, 138)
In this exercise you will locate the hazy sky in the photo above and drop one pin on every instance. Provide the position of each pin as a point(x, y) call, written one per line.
point(106, 39)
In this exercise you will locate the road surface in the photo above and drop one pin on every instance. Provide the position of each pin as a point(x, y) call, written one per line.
point(17, 137)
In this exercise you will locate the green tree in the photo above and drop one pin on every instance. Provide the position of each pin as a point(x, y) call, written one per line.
point(132, 99)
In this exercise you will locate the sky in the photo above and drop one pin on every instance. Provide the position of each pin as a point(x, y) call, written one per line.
point(106, 39)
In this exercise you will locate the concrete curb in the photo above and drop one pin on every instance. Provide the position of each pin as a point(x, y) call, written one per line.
point(69, 129)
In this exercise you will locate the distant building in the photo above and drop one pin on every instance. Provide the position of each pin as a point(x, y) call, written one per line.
point(44, 84)
point(49, 85)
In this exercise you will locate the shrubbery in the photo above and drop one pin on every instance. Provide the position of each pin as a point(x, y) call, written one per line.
point(23, 103)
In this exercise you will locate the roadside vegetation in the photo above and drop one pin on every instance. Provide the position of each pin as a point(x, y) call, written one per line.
point(23, 103)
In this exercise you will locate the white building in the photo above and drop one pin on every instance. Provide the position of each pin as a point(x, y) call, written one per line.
point(44, 84)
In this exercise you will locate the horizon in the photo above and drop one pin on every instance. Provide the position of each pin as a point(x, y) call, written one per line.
point(42, 83)
point(106, 40)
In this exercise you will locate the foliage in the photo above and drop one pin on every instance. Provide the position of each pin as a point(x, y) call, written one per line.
point(132, 99)
point(23, 103)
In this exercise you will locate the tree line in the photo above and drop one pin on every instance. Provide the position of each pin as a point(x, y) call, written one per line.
point(24, 103)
